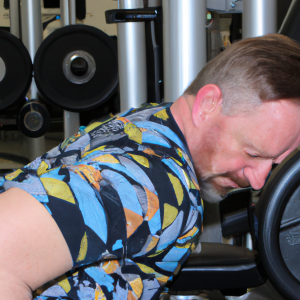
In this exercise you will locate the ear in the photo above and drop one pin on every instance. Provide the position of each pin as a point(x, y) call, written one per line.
point(207, 101)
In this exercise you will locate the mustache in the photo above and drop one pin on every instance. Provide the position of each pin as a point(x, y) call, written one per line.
point(209, 192)
point(241, 182)
point(213, 193)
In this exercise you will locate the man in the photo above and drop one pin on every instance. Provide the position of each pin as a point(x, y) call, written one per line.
point(120, 200)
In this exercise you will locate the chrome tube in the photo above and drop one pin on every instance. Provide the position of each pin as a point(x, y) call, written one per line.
point(64, 13)
point(14, 16)
point(184, 41)
point(32, 27)
point(72, 12)
point(32, 37)
point(259, 17)
point(32, 32)
point(153, 3)
point(71, 123)
point(132, 59)
point(71, 119)
point(289, 26)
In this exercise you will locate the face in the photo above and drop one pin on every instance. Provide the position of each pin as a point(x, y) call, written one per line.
point(239, 151)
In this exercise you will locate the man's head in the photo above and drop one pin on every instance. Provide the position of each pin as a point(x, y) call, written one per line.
point(244, 111)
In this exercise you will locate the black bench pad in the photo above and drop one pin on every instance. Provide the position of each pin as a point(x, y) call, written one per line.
point(219, 266)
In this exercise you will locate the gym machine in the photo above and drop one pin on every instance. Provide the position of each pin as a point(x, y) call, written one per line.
point(74, 71)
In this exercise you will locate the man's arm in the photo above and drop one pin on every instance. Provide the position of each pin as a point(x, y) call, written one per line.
point(32, 247)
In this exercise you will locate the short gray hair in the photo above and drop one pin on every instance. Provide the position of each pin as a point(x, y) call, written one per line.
point(251, 71)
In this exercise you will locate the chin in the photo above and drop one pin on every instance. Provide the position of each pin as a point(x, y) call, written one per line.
point(209, 193)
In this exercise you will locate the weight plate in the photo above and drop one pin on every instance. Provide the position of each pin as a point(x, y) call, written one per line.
point(34, 119)
point(76, 67)
point(278, 227)
point(289, 237)
point(15, 69)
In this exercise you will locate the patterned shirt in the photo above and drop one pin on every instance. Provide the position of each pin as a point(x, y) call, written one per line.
point(126, 199)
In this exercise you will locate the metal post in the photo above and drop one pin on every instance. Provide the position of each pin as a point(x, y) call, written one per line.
point(32, 31)
point(291, 22)
point(72, 11)
point(259, 17)
point(184, 41)
point(32, 37)
point(132, 59)
point(152, 3)
point(14, 16)
point(248, 243)
point(64, 13)
point(71, 119)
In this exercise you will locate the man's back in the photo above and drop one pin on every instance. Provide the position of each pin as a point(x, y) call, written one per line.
point(126, 199)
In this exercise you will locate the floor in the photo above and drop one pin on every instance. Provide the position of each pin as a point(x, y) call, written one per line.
point(264, 292)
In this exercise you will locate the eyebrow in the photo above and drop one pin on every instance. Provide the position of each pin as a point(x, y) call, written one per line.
point(262, 154)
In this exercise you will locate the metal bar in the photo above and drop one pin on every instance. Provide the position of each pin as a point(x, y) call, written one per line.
point(249, 243)
point(291, 22)
point(32, 32)
point(72, 11)
point(64, 13)
point(71, 119)
point(156, 63)
point(132, 59)
point(130, 15)
point(259, 17)
point(32, 28)
point(32, 37)
point(71, 123)
point(152, 3)
point(184, 43)
point(14, 15)
point(225, 268)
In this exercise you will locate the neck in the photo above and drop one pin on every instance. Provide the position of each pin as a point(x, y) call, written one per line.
point(181, 110)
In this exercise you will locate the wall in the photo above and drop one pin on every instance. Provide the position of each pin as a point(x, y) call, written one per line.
point(4, 15)
point(96, 15)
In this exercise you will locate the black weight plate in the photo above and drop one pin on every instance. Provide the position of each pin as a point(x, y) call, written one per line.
point(281, 188)
point(18, 69)
point(51, 80)
point(43, 117)
point(289, 237)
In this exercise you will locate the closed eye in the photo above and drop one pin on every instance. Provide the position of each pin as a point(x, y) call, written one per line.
point(252, 155)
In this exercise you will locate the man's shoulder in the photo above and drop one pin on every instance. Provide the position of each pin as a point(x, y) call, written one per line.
point(148, 107)
point(146, 111)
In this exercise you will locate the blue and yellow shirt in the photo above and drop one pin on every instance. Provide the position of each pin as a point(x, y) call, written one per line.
point(126, 199)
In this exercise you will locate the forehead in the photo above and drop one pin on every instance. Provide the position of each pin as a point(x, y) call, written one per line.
point(273, 128)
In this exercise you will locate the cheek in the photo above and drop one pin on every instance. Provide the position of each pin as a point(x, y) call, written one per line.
point(203, 154)
point(209, 149)
point(217, 154)
point(236, 166)
point(228, 163)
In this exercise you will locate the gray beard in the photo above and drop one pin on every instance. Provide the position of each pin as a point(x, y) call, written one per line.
point(209, 193)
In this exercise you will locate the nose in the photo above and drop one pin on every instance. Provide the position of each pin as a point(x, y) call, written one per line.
point(256, 175)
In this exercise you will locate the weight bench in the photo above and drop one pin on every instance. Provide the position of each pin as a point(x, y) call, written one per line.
point(219, 266)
